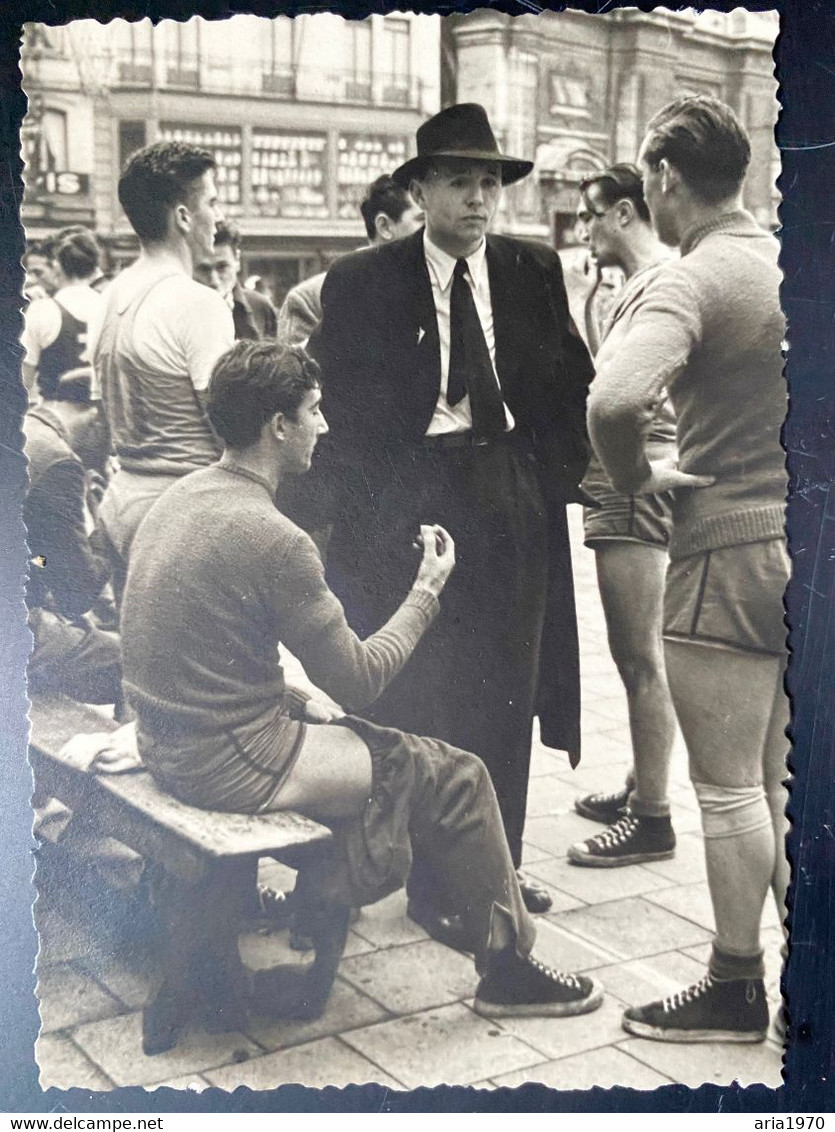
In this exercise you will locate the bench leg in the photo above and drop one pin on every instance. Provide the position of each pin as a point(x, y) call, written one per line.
point(202, 976)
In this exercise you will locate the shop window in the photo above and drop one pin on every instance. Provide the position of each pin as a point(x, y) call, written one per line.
point(132, 137)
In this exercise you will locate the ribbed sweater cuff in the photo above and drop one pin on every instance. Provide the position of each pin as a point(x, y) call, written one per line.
point(730, 529)
point(425, 601)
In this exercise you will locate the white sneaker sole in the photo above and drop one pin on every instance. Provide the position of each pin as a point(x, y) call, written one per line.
point(542, 1009)
point(589, 861)
point(661, 1034)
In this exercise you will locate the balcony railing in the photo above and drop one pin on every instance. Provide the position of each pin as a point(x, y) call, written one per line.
point(255, 77)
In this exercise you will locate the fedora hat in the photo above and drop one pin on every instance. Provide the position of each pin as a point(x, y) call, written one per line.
point(461, 131)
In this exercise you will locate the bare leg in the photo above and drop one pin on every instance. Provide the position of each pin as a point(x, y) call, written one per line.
point(630, 577)
point(775, 772)
point(331, 778)
point(725, 701)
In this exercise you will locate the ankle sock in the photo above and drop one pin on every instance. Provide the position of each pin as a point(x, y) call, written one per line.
point(725, 966)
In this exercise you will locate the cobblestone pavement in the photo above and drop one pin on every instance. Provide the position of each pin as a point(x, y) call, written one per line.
point(400, 1013)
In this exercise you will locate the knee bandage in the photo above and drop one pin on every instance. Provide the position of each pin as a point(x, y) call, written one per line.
point(729, 811)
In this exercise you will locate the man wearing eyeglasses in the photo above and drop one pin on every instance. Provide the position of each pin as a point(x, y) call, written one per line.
point(629, 535)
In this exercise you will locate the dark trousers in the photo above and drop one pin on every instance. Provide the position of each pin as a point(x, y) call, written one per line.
point(472, 679)
point(74, 658)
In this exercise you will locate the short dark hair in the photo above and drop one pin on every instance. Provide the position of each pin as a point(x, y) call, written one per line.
point(77, 253)
point(156, 179)
point(228, 233)
point(705, 141)
point(619, 182)
point(252, 382)
point(383, 195)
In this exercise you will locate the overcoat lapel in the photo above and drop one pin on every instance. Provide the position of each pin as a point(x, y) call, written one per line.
point(504, 300)
point(423, 323)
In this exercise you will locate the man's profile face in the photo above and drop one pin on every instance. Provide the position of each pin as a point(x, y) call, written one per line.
point(205, 214)
point(599, 225)
point(39, 273)
point(302, 433)
point(459, 199)
point(219, 270)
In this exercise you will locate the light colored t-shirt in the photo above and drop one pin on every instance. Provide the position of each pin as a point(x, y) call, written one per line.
point(181, 327)
point(42, 321)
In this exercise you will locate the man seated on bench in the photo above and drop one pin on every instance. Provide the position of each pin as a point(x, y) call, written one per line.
point(218, 577)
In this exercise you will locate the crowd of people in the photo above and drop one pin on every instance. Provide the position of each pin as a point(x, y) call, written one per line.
point(376, 478)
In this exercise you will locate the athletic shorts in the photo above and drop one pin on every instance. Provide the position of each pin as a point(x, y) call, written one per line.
point(731, 597)
point(624, 518)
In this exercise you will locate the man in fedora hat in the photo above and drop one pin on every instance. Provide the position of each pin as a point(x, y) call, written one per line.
point(456, 385)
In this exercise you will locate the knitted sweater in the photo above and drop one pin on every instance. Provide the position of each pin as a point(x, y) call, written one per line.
point(708, 329)
point(218, 577)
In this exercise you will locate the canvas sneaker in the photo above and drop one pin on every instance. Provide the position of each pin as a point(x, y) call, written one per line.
point(605, 808)
point(630, 841)
point(522, 987)
point(709, 1011)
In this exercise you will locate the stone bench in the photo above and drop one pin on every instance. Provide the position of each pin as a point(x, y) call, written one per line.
point(204, 868)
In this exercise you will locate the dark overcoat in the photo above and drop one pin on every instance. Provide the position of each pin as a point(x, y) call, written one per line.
point(379, 349)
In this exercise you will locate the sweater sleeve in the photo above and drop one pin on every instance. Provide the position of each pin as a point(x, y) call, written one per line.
point(635, 364)
point(313, 626)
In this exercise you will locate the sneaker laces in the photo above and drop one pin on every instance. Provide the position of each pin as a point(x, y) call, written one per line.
point(617, 834)
point(562, 977)
point(605, 799)
point(690, 994)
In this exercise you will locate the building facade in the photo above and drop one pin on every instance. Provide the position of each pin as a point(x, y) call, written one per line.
point(301, 114)
point(575, 91)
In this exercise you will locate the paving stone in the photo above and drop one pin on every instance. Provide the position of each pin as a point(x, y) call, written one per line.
point(555, 833)
point(414, 977)
point(685, 820)
point(356, 945)
point(60, 938)
point(532, 853)
point(545, 760)
point(559, 948)
point(718, 1063)
point(316, 1065)
point(593, 886)
point(347, 1009)
point(604, 1068)
point(131, 984)
point(692, 901)
point(63, 1066)
point(68, 997)
point(116, 1046)
point(687, 866)
point(261, 950)
point(554, 1038)
point(600, 747)
point(633, 927)
point(598, 776)
point(550, 795)
point(683, 795)
point(451, 1045)
point(645, 980)
point(385, 924)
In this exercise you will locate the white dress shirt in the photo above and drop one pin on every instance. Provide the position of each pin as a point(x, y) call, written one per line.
point(458, 418)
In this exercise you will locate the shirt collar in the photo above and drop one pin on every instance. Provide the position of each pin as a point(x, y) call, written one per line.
point(738, 219)
point(441, 265)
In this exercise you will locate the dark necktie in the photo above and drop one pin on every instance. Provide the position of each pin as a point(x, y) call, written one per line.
point(470, 368)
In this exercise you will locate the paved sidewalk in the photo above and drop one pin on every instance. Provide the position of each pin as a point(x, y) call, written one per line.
point(400, 1013)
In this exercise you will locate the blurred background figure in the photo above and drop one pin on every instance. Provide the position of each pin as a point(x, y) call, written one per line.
point(55, 327)
point(389, 214)
point(66, 444)
point(252, 312)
